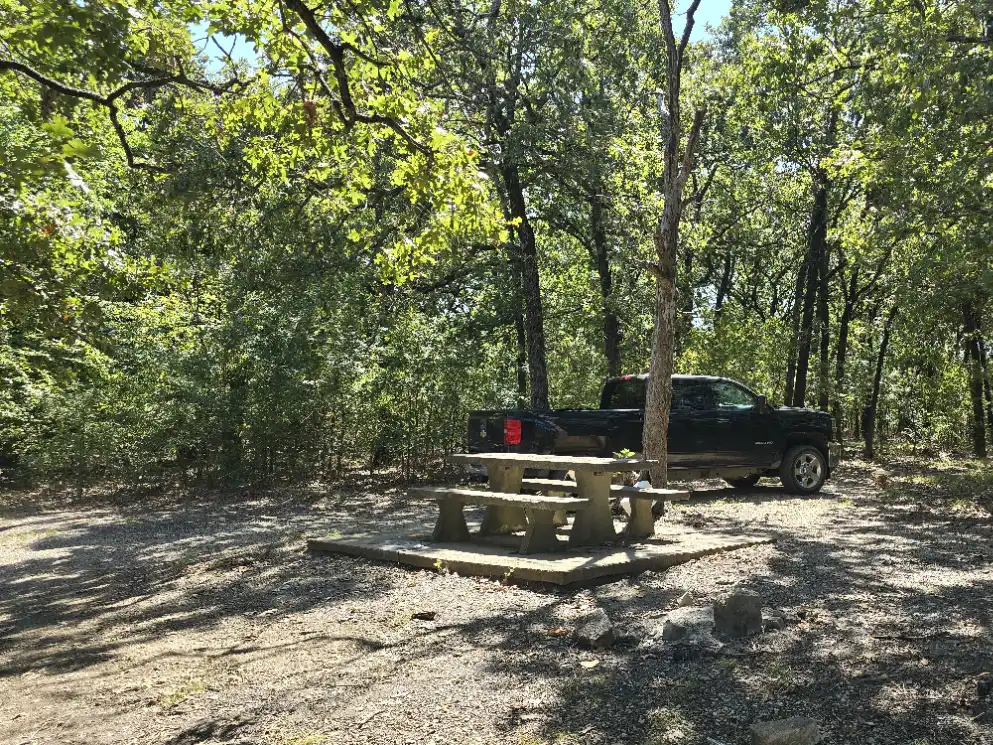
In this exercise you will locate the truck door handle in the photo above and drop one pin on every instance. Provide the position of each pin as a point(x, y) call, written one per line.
point(723, 420)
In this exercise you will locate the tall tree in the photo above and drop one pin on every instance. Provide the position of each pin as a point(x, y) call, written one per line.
point(678, 161)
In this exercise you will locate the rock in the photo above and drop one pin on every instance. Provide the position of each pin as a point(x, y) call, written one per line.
point(793, 731)
point(424, 615)
point(773, 623)
point(685, 599)
point(738, 613)
point(982, 710)
point(687, 622)
point(688, 631)
point(595, 631)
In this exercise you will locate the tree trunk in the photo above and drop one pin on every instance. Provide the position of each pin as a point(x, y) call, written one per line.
point(869, 415)
point(675, 172)
point(611, 324)
point(824, 322)
point(534, 322)
point(840, 384)
point(816, 245)
point(973, 357)
point(522, 359)
point(724, 288)
point(987, 388)
point(658, 397)
point(798, 293)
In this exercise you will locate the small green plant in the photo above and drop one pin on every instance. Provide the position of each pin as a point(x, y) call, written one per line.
point(176, 697)
point(305, 739)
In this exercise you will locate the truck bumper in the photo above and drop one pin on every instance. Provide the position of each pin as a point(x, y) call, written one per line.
point(834, 455)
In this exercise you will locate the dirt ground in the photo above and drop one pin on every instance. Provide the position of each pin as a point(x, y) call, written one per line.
point(204, 619)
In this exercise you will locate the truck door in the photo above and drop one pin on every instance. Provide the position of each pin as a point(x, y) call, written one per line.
point(690, 400)
point(733, 431)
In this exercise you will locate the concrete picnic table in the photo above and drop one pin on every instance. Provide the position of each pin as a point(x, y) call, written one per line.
point(593, 524)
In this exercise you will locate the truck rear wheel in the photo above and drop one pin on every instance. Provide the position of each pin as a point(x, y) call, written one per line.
point(803, 470)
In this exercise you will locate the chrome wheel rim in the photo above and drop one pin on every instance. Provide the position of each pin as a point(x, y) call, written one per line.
point(807, 470)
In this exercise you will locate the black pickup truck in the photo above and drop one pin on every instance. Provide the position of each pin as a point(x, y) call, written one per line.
point(717, 428)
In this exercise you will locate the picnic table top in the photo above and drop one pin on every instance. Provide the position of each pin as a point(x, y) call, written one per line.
point(554, 462)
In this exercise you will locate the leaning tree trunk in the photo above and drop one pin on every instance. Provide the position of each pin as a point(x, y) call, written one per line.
point(534, 322)
point(611, 324)
point(869, 415)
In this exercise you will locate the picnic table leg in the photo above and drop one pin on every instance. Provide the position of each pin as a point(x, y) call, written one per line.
point(451, 527)
point(540, 535)
point(641, 523)
point(593, 524)
point(501, 519)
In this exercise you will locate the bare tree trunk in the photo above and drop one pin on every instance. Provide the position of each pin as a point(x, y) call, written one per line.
point(676, 171)
point(816, 244)
point(534, 322)
point(869, 415)
point(973, 358)
point(611, 325)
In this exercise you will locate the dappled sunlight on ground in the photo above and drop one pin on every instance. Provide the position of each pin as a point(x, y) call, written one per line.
point(201, 618)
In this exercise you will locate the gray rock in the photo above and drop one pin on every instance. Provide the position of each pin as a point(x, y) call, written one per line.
point(595, 631)
point(773, 623)
point(738, 613)
point(793, 731)
point(688, 622)
point(687, 632)
point(685, 599)
point(982, 710)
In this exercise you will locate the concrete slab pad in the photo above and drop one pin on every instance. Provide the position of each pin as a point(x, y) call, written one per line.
point(497, 556)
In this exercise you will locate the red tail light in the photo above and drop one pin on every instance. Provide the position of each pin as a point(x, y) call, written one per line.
point(511, 431)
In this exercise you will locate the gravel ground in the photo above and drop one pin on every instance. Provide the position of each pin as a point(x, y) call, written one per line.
point(126, 620)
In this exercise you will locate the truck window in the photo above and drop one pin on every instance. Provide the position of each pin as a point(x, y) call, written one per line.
point(730, 396)
point(628, 394)
point(691, 395)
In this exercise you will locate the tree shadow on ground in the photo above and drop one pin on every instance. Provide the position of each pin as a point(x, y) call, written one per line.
point(894, 625)
point(906, 669)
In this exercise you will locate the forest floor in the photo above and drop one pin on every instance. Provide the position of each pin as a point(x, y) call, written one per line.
point(202, 618)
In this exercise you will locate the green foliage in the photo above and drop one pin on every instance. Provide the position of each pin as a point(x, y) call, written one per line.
point(284, 284)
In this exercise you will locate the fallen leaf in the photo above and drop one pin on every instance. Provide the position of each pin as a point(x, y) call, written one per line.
point(559, 631)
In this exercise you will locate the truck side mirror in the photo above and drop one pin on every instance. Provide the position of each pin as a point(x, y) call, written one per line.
point(761, 404)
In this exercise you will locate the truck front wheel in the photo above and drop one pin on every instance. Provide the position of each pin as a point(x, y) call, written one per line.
point(803, 470)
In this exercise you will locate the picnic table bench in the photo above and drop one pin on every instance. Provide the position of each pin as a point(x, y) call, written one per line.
point(508, 511)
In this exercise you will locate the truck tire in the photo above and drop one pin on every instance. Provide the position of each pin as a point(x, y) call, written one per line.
point(747, 482)
point(803, 470)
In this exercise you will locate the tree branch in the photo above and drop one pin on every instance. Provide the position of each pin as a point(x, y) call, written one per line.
point(687, 29)
point(109, 101)
point(336, 52)
point(970, 39)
